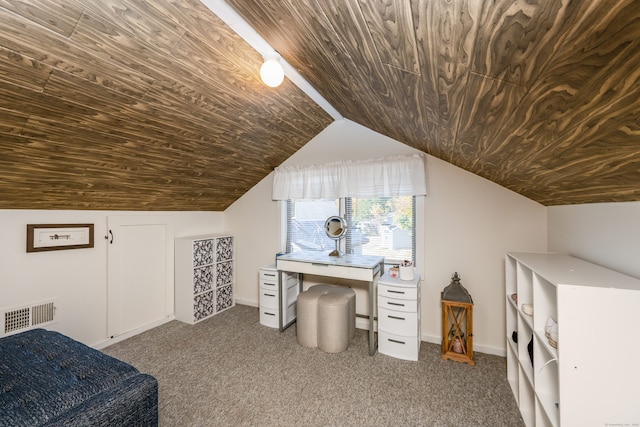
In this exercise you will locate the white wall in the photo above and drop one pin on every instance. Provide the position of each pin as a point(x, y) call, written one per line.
point(469, 225)
point(77, 277)
point(254, 221)
point(607, 234)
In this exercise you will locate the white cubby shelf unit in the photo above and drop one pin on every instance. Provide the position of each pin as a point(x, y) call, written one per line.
point(589, 376)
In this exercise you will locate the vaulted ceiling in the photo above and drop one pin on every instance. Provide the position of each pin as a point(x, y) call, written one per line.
point(157, 105)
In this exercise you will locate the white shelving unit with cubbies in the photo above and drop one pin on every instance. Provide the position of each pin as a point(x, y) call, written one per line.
point(581, 372)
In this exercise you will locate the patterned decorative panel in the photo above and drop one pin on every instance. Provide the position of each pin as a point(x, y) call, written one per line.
point(224, 273)
point(203, 306)
point(224, 297)
point(224, 249)
point(203, 285)
point(202, 252)
point(202, 279)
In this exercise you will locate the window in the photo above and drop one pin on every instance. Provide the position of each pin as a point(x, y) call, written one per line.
point(383, 226)
point(305, 224)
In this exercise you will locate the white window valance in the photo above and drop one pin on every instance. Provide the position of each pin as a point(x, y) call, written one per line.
point(387, 177)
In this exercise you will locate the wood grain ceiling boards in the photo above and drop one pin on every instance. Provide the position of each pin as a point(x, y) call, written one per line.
point(137, 105)
point(542, 97)
point(157, 105)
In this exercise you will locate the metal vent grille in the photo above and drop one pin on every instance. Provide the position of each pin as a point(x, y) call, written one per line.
point(16, 319)
point(25, 317)
point(42, 313)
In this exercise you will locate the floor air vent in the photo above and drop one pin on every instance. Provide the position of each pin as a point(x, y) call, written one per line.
point(17, 319)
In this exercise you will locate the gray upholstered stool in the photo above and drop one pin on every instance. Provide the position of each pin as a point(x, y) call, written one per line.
point(307, 315)
point(333, 322)
point(349, 293)
point(322, 287)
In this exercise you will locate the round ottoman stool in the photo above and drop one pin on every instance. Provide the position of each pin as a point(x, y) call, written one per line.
point(349, 293)
point(307, 316)
point(322, 287)
point(333, 322)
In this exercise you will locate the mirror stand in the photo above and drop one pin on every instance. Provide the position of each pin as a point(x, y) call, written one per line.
point(336, 251)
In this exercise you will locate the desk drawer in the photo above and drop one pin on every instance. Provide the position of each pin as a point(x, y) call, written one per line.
point(288, 281)
point(400, 292)
point(269, 316)
point(269, 297)
point(397, 304)
point(406, 348)
point(271, 275)
point(269, 284)
point(398, 322)
point(345, 271)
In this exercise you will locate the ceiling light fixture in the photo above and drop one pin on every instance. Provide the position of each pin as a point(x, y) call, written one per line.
point(237, 23)
point(271, 71)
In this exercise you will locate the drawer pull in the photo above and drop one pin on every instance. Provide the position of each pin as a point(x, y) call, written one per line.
point(269, 314)
point(396, 303)
point(396, 341)
point(391, 291)
point(269, 274)
point(396, 317)
point(269, 295)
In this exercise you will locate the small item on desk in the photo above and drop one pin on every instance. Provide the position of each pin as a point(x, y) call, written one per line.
point(394, 272)
point(406, 270)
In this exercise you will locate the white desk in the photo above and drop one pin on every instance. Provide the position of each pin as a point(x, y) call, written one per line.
point(349, 266)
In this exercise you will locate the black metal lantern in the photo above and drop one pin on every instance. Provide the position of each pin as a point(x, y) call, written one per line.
point(457, 322)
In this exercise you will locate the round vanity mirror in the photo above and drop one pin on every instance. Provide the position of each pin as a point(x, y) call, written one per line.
point(336, 229)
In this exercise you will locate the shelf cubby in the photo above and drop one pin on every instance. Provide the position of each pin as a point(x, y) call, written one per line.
point(525, 334)
point(546, 378)
point(526, 400)
point(542, 420)
point(524, 285)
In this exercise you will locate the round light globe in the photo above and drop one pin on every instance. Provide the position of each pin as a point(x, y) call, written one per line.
point(272, 73)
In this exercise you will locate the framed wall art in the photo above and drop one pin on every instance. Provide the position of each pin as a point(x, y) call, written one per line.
point(53, 237)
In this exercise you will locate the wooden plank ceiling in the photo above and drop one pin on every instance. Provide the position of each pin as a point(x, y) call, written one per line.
point(157, 105)
point(137, 105)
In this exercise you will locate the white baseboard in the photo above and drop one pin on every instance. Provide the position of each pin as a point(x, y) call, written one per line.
point(250, 303)
point(496, 351)
point(487, 349)
point(363, 323)
point(109, 341)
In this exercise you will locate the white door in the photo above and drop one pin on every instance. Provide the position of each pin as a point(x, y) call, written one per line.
point(140, 272)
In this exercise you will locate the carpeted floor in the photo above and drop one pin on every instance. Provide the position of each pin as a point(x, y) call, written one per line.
point(229, 370)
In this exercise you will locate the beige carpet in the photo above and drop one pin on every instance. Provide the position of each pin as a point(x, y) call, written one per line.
point(229, 370)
